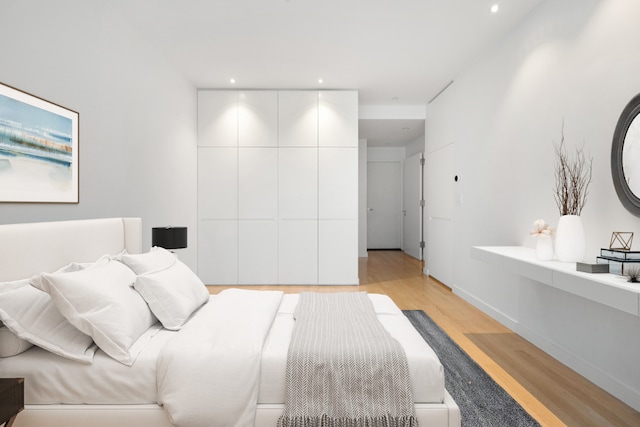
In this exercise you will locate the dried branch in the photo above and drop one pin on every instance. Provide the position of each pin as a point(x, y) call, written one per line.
point(573, 177)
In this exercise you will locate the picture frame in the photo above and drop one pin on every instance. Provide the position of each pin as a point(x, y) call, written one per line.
point(39, 149)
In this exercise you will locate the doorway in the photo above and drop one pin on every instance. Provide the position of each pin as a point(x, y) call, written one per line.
point(384, 205)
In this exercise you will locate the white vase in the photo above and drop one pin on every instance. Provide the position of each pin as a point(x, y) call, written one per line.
point(544, 247)
point(570, 240)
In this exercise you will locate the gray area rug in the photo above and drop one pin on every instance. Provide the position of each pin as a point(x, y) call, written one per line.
point(482, 401)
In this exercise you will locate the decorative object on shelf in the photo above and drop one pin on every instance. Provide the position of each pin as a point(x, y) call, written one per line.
point(592, 268)
point(169, 237)
point(621, 240)
point(633, 273)
point(544, 243)
point(573, 176)
point(618, 267)
point(570, 239)
point(620, 254)
point(38, 149)
point(620, 261)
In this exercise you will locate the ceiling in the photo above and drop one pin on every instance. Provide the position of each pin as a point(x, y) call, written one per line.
point(401, 52)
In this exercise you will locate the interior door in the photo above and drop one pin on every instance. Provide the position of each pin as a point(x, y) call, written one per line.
point(384, 205)
point(440, 199)
point(412, 206)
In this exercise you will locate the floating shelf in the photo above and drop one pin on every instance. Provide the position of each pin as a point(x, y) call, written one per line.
point(604, 288)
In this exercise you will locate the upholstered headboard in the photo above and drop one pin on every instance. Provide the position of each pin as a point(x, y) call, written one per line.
point(28, 249)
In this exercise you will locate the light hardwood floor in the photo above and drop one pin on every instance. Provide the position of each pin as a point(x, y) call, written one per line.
point(552, 393)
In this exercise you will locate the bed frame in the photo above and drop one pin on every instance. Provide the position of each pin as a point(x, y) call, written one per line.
point(28, 249)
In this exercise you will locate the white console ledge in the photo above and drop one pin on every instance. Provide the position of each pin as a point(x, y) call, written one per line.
point(604, 288)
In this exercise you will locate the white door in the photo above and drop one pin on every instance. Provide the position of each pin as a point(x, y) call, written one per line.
point(412, 211)
point(384, 205)
point(440, 198)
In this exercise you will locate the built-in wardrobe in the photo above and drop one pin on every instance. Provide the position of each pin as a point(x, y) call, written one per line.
point(278, 187)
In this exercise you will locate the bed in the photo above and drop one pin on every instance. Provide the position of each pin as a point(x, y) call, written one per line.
point(164, 375)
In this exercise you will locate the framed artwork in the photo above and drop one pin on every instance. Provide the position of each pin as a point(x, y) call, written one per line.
point(38, 149)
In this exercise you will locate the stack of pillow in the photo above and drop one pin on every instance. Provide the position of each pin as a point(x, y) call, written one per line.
point(110, 304)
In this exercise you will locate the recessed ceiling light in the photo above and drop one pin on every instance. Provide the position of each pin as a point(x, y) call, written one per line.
point(232, 80)
point(495, 8)
point(320, 81)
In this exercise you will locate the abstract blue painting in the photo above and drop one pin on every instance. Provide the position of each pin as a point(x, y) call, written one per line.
point(38, 149)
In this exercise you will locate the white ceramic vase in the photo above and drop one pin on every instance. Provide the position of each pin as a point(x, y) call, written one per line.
point(544, 247)
point(570, 240)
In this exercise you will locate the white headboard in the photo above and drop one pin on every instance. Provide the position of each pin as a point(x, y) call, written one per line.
point(28, 249)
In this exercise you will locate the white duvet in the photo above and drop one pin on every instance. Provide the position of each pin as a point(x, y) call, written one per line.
point(210, 372)
point(228, 358)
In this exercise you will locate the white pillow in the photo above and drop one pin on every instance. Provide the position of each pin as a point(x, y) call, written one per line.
point(11, 344)
point(36, 280)
point(156, 259)
point(173, 293)
point(101, 302)
point(31, 315)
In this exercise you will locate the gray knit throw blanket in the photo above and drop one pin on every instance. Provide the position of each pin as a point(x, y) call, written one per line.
point(343, 368)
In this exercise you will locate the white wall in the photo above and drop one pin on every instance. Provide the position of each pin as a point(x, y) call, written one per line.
point(414, 147)
point(137, 115)
point(386, 154)
point(575, 61)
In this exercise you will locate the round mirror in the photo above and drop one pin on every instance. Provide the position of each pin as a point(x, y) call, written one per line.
point(625, 157)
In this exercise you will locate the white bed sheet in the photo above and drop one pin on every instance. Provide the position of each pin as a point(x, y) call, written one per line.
point(51, 379)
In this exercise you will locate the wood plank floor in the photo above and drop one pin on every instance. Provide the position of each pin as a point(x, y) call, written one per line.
point(552, 393)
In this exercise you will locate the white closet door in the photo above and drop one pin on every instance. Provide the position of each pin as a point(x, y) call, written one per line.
point(257, 216)
point(257, 183)
point(258, 118)
point(298, 183)
point(217, 182)
point(217, 118)
point(257, 252)
point(298, 227)
point(217, 212)
point(298, 119)
point(218, 252)
point(298, 252)
point(338, 118)
point(338, 252)
point(338, 183)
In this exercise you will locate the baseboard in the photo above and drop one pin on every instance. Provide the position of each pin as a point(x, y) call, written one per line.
point(384, 249)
